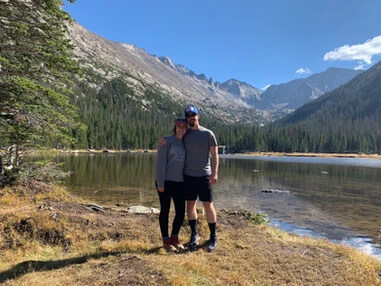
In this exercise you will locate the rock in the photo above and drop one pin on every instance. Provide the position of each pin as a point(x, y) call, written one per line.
point(275, 191)
point(95, 207)
point(142, 210)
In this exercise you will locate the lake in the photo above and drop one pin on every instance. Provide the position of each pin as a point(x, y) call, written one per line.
point(334, 198)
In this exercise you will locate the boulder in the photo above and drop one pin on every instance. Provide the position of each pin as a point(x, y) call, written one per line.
point(142, 210)
point(275, 191)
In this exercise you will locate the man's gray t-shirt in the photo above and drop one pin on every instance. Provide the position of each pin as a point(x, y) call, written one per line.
point(197, 146)
point(170, 161)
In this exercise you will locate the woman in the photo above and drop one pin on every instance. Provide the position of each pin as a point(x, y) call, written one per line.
point(169, 184)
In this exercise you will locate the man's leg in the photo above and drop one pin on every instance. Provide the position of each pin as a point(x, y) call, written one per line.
point(206, 196)
point(191, 210)
point(192, 219)
point(211, 217)
point(191, 198)
point(210, 211)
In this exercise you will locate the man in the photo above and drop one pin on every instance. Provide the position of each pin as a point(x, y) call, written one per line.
point(200, 175)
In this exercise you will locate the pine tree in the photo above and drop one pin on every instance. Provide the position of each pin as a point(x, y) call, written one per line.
point(36, 66)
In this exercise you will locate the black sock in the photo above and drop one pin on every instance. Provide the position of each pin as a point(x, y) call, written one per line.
point(212, 228)
point(193, 225)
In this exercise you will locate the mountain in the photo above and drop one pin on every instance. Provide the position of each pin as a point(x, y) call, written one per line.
point(295, 93)
point(106, 60)
point(128, 98)
point(347, 119)
point(357, 101)
point(242, 90)
point(231, 101)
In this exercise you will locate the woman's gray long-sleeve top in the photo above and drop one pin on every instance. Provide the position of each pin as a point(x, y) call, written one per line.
point(170, 161)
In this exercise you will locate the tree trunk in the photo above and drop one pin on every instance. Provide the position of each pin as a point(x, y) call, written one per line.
point(1, 172)
point(16, 155)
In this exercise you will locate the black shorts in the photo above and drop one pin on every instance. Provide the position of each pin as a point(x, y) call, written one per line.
point(198, 187)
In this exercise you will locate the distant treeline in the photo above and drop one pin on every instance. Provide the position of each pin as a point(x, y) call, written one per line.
point(116, 118)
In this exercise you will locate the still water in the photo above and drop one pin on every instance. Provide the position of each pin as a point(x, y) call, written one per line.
point(334, 198)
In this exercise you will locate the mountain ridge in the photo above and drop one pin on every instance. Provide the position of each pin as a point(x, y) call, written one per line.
point(361, 95)
point(230, 101)
point(295, 93)
point(142, 70)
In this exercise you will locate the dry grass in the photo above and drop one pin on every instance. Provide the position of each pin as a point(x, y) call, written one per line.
point(65, 243)
point(254, 255)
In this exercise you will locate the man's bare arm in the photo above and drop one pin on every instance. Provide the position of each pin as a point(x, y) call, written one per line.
point(162, 141)
point(214, 176)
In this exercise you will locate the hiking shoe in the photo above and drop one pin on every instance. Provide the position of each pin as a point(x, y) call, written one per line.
point(212, 243)
point(168, 246)
point(193, 242)
point(175, 242)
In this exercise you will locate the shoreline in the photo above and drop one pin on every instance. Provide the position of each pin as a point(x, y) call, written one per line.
point(319, 155)
point(254, 154)
point(88, 151)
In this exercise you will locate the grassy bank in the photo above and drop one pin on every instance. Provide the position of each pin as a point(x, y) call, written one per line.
point(48, 237)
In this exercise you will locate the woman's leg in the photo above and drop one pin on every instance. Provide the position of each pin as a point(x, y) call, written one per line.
point(165, 204)
point(179, 201)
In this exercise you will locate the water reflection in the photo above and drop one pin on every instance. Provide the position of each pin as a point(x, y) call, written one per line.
point(335, 200)
point(327, 198)
point(111, 178)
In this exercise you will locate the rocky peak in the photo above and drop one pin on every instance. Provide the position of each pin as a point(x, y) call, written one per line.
point(168, 62)
point(242, 90)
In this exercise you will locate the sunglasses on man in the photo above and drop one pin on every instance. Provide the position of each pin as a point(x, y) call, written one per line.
point(190, 115)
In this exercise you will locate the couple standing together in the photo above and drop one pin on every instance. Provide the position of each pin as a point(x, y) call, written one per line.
point(184, 173)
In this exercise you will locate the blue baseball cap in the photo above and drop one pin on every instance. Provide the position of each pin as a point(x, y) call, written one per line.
point(190, 108)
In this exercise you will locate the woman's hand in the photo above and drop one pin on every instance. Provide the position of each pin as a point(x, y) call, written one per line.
point(160, 189)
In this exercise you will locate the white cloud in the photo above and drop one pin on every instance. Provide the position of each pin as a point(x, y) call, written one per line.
point(361, 52)
point(266, 87)
point(303, 71)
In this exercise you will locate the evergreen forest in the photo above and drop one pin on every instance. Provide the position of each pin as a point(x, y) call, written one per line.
point(115, 120)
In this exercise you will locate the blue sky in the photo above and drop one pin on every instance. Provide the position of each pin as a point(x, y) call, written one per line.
point(260, 42)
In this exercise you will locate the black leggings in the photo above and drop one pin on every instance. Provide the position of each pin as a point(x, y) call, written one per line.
point(174, 190)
